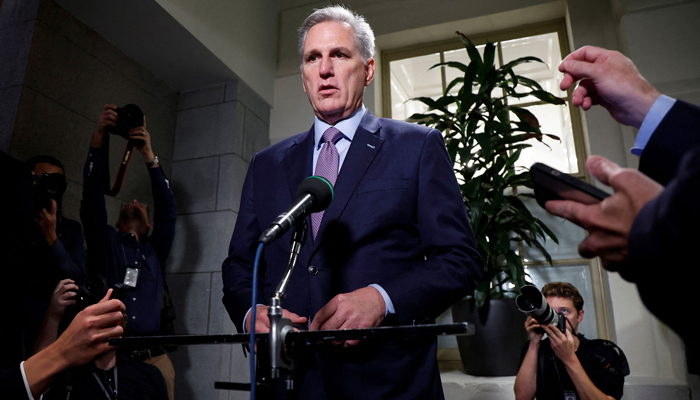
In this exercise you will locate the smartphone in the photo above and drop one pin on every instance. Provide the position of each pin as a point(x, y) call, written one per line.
point(551, 184)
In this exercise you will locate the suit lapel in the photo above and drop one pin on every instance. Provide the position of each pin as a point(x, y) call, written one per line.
point(364, 148)
point(298, 161)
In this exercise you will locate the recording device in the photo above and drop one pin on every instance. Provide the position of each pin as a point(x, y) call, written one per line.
point(128, 117)
point(48, 186)
point(314, 195)
point(552, 184)
point(93, 290)
point(533, 303)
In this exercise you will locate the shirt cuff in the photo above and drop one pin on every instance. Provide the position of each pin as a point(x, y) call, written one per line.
point(246, 317)
point(387, 299)
point(656, 114)
point(26, 384)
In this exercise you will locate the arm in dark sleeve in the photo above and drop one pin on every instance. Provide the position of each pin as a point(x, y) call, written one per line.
point(453, 265)
point(93, 212)
point(164, 215)
point(661, 244)
point(677, 133)
point(237, 269)
point(68, 251)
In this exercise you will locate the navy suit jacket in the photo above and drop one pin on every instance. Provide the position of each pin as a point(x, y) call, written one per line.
point(663, 238)
point(397, 219)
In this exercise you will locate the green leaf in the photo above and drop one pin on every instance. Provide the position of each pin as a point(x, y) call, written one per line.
point(547, 97)
point(452, 64)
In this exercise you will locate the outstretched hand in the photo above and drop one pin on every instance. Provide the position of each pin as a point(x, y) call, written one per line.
point(610, 79)
point(610, 221)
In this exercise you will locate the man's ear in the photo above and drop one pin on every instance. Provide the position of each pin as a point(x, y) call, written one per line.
point(580, 316)
point(369, 71)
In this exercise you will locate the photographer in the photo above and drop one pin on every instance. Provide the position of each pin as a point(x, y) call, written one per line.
point(56, 248)
point(128, 249)
point(567, 365)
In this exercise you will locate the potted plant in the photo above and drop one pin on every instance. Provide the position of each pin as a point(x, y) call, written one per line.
point(485, 136)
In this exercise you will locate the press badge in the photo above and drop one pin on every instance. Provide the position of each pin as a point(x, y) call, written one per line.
point(131, 277)
point(570, 396)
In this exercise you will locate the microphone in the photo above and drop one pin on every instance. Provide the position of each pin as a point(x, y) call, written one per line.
point(314, 194)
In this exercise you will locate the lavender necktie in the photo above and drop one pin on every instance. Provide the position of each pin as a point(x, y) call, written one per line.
point(327, 167)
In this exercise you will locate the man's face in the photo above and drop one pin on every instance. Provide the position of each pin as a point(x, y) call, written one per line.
point(566, 307)
point(333, 73)
point(134, 215)
point(46, 168)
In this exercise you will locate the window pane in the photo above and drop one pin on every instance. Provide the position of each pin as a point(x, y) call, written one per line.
point(411, 78)
point(546, 48)
point(569, 235)
point(578, 275)
point(554, 120)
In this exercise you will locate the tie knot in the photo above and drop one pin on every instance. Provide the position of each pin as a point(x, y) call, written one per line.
point(331, 135)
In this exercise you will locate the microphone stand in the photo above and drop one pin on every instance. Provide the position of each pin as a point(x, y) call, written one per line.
point(279, 327)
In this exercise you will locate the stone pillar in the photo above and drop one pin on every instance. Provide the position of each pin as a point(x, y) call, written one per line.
point(219, 129)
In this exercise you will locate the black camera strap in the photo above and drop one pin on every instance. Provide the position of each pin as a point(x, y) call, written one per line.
point(121, 173)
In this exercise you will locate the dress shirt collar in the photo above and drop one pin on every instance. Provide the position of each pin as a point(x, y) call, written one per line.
point(348, 126)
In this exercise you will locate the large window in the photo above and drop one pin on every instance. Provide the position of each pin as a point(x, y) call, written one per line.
point(406, 74)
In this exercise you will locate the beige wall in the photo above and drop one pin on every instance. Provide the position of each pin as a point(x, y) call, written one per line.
point(242, 34)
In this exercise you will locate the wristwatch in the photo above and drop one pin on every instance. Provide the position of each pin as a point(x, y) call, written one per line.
point(152, 163)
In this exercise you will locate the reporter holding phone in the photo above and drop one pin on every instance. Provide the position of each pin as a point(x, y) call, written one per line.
point(566, 365)
point(643, 226)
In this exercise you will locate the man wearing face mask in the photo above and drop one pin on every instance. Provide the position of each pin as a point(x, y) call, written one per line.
point(566, 365)
point(128, 254)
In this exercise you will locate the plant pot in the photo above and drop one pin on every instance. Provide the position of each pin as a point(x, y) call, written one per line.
point(494, 349)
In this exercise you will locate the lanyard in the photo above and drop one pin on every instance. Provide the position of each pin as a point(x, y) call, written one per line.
point(108, 393)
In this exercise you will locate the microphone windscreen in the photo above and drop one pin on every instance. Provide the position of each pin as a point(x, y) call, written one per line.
point(320, 188)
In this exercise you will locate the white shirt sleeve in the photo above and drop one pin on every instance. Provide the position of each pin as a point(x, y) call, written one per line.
point(656, 114)
point(387, 299)
point(26, 384)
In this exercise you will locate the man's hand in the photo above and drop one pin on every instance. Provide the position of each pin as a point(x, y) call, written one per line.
point(610, 221)
point(61, 298)
point(531, 326)
point(262, 322)
point(610, 79)
point(142, 141)
point(362, 308)
point(562, 343)
point(47, 223)
point(86, 337)
point(108, 117)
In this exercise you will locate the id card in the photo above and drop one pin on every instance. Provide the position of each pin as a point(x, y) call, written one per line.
point(131, 277)
point(570, 396)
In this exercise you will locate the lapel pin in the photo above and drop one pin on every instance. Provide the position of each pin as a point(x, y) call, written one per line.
point(370, 146)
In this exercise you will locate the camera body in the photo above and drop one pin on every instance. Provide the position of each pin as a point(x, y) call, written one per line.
point(93, 290)
point(48, 186)
point(129, 117)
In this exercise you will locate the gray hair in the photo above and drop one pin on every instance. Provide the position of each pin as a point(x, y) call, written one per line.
point(364, 36)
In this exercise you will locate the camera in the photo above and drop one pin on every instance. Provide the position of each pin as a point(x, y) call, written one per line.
point(533, 303)
point(129, 117)
point(93, 290)
point(48, 186)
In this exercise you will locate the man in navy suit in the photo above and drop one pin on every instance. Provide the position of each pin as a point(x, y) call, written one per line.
point(393, 248)
point(645, 231)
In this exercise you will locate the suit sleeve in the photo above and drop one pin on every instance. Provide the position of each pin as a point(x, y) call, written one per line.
point(237, 269)
point(452, 265)
point(663, 236)
point(678, 132)
point(12, 384)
